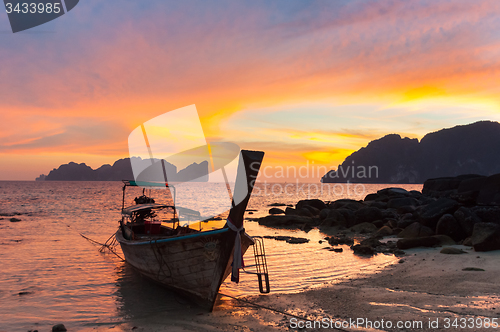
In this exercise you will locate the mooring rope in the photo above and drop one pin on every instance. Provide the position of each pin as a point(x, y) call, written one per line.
point(276, 310)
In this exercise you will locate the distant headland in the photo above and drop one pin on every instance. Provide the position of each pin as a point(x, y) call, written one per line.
point(122, 170)
point(467, 149)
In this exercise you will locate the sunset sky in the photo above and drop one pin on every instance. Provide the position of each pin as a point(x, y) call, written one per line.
point(305, 81)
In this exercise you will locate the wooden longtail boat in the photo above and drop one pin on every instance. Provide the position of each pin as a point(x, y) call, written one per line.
point(191, 262)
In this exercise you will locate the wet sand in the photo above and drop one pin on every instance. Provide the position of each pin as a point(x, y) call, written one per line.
point(427, 287)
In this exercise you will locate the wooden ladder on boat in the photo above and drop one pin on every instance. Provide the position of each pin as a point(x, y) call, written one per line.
point(262, 273)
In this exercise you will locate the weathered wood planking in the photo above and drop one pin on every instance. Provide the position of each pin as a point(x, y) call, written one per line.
point(191, 266)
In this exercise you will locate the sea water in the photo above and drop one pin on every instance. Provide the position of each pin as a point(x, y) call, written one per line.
point(51, 274)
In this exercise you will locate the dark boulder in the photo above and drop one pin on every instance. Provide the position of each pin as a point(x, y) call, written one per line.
point(304, 212)
point(383, 231)
point(276, 211)
point(340, 239)
point(452, 251)
point(406, 220)
point(280, 220)
point(448, 225)
point(367, 214)
point(399, 202)
point(371, 197)
point(360, 249)
point(289, 211)
point(312, 209)
point(323, 214)
point(487, 213)
point(348, 216)
point(428, 241)
point(486, 237)
point(416, 230)
point(59, 328)
point(430, 214)
point(316, 203)
point(393, 192)
point(378, 223)
point(364, 228)
point(334, 218)
point(378, 204)
point(346, 203)
point(440, 186)
point(466, 218)
point(490, 191)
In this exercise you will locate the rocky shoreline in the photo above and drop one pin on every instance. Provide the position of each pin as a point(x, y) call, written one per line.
point(454, 210)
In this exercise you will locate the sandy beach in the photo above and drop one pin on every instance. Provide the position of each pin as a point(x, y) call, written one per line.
point(426, 291)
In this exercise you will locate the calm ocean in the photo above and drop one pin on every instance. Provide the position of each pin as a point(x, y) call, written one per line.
point(50, 274)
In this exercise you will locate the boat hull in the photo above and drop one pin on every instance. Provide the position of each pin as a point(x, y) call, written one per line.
point(194, 265)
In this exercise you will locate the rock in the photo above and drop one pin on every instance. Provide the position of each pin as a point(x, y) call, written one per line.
point(323, 214)
point(276, 211)
point(427, 241)
point(347, 203)
point(406, 209)
point(367, 214)
point(59, 328)
point(487, 213)
point(406, 220)
point(383, 231)
point(290, 211)
point(288, 239)
point(363, 250)
point(399, 202)
point(316, 203)
point(371, 197)
point(448, 225)
point(348, 215)
point(466, 218)
point(280, 220)
point(445, 240)
point(452, 251)
point(472, 184)
point(467, 242)
point(431, 213)
point(295, 240)
point(364, 228)
point(416, 230)
point(439, 186)
point(277, 204)
point(251, 212)
point(304, 212)
point(334, 219)
point(378, 205)
point(393, 192)
point(312, 209)
point(486, 237)
point(14, 220)
point(371, 242)
point(378, 223)
point(472, 269)
point(336, 249)
point(490, 191)
point(341, 239)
